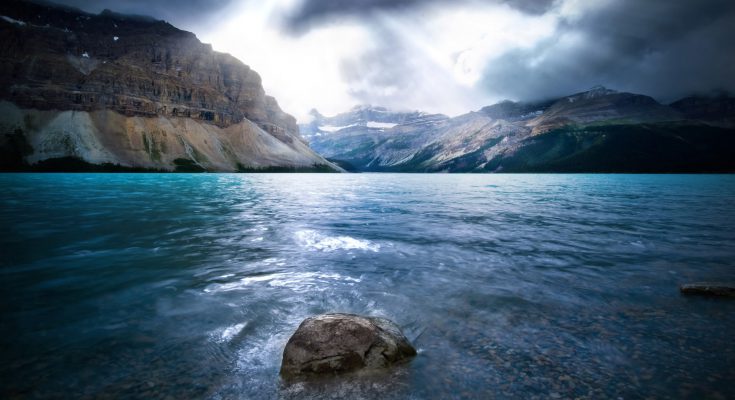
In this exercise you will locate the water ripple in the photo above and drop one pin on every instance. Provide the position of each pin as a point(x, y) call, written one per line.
point(512, 286)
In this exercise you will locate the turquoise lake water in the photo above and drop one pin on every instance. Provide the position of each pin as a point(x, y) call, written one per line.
point(511, 286)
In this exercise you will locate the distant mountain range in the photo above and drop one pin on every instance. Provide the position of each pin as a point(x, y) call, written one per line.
point(86, 92)
point(599, 130)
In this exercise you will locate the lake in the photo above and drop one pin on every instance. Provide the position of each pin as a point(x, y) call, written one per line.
point(510, 286)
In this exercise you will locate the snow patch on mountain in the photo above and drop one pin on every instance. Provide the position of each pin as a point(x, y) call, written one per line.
point(380, 125)
point(12, 20)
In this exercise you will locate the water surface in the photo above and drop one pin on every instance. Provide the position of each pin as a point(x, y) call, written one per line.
point(510, 286)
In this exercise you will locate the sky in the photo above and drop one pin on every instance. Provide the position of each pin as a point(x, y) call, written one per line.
point(454, 56)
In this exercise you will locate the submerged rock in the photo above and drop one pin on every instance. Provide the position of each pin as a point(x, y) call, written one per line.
point(337, 343)
point(709, 288)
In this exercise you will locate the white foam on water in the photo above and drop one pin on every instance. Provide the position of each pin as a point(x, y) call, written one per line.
point(309, 279)
point(227, 334)
point(314, 240)
point(297, 281)
point(264, 350)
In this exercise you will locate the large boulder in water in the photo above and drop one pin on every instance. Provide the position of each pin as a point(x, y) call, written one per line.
point(336, 343)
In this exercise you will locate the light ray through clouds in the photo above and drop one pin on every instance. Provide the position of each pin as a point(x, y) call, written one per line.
point(302, 72)
point(431, 60)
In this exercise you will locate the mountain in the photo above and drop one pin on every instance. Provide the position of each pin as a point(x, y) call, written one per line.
point(599, 130)
point(356, 134)
point(80, 91)
point(602, 104)
point(715, 110)
point(365, 118)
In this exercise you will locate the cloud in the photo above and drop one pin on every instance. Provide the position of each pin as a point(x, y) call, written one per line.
point(453, 56)
point(392, 73)
point(314, 12)
point(433, 60)
point(662, 48)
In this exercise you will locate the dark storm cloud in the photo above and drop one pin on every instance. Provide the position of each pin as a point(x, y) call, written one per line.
point(314, 12)
point(182, 13)
point(667, 49)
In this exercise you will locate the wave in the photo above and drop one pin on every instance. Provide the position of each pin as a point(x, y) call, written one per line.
point(314, 240)
point(297, 281)
point(227, 334)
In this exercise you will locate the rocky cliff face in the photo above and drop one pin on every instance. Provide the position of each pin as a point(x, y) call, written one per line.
point(133, 91)
point(600, 130)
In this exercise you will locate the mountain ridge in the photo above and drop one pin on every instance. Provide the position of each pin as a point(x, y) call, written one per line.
point(496, 137)
point(136, 92)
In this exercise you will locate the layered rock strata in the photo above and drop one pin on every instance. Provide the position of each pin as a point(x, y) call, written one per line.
point(135, 92)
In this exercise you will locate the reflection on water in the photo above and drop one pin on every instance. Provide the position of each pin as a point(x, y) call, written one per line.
point(511, 286)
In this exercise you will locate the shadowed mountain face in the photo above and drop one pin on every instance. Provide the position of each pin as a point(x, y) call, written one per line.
point(133, 92)
point(601, 104)
point(600, 130)
point(718, 110)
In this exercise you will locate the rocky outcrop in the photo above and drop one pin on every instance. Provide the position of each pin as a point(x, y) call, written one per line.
point(338, 343)
point(136, 92)
point(709, 289)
